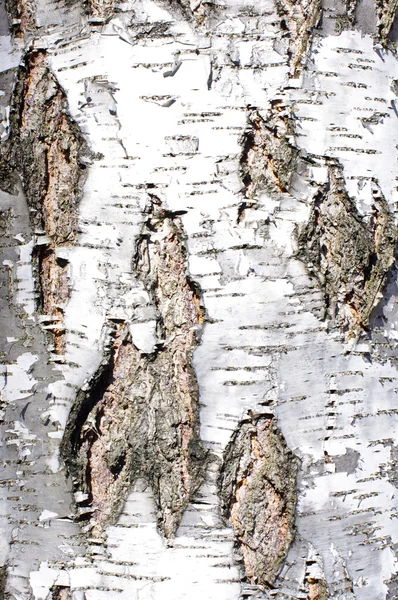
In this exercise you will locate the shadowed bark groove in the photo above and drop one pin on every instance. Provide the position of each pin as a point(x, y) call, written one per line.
point(299, 19)
point(269, 156)
point(351, 256)
point(140, 415)
point(258, 496)
point(45, 147)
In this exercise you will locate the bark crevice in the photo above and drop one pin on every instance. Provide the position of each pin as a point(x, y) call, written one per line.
point(140, 413)
point(258, 496)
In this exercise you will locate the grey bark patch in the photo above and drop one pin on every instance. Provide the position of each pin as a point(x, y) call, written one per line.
point(269, 156)
point(258, 496)
point(350, 256)
point(385, 14)
point(140, 414)
point(46, 148)
point(348, 462)
point(3, 582)
point(298, 20)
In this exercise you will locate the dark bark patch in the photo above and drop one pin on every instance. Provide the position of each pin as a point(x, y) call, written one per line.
point(140, 414)
point(45, 148)
point(258, 496)
point(299, 19)
point(351, 256)
point(269, 156)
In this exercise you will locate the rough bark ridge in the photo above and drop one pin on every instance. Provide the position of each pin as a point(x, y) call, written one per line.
point(299, 18)
point(385, 13)
point(45, 147)
point(269, 155)
point(350, 255)
point(140, 416)
point(22, 15)
point(258, 496)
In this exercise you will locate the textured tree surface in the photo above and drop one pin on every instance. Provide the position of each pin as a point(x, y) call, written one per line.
point(140, 414)
point(258, 496)
point(198, 287)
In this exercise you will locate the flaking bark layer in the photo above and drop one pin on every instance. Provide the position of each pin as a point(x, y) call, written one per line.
point(140, 416)
point(45, 147)
point(269, 155)
point(351, 256)
point(258, 496)
point(299, 19)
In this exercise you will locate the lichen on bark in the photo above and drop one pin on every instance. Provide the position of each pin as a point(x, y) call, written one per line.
point(350, 255)
point(269, 154)
point(140, 415)
point(46, 148)
point(299, 18)
point(258, 496)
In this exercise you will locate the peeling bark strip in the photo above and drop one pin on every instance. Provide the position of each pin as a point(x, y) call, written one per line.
point(299, 18)
point(351, 256)
point(258, 496)
point(45, 147)
point(140, 415)
point(269, 156)
point(385, 13)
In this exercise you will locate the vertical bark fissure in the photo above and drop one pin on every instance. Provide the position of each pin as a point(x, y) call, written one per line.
point(350, 255)
point(140, 415)
point(45, 147)
point(258, 496)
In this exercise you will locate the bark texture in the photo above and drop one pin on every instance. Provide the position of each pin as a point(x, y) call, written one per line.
point(198, 325)
point(140, 414)
point(258, 496)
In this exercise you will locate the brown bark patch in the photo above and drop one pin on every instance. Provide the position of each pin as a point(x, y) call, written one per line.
point(140, 416)
point(258, 496)
point(299, 19)
point(269, 155)
point(45, 147)
point(385, 14)
point(349, 254)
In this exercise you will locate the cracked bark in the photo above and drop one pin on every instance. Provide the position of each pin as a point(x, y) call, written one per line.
point(46, 149)
point(258, 496)
point(187, 101)
point(269, 155)
point(140, 416)
point(350, 255)
point(299, 20)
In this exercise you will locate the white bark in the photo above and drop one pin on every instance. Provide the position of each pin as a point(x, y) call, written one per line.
point(167, 115)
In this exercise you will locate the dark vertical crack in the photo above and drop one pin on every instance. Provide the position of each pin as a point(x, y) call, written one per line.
point(350, 255)
point(140, 414)
point(46, 148)
point(258, 496)
point(269, 156)
point(299, 18)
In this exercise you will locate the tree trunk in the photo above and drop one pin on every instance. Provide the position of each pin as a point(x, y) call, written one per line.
point(198, 362)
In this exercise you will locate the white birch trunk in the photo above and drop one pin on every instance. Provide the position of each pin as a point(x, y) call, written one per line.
point(268, 131)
